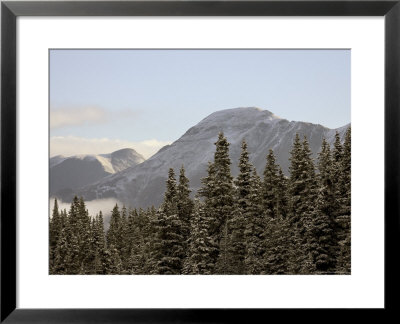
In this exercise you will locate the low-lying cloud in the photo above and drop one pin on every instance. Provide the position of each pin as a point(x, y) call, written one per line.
point(94, 207)
point(73, 145)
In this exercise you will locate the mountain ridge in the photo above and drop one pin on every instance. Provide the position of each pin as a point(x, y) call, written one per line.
point(143, 185)
point(70, 173)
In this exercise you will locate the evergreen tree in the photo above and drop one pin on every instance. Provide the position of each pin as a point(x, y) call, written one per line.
point(114, 234)
point(123, 247)
point(270, 187)
point(112, 261)
point(98, 244)
point(184, 205)
point(55, 227)
point(201, 247)
point(324, 241)
point(301, 188)
point(235, 226)
point(344, 217)
point(169, 239)
point(169, 244)
point(218, 191)
point(223, 191)
point(282, 195)
point(170, 196)
point(254, 233)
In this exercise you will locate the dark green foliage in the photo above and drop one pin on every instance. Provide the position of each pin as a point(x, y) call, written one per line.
point(201, 247)
point(222, 194)
point(271, 199)
point(169, 244)
point(324, 241)
point(235, 225)
point(114, 233)
point(277, 225)
point(218, 192)
point(344, 215)
point(185, 206)
point(55, 228)
point(254, 233)
point(302, 192)
point(169, 239)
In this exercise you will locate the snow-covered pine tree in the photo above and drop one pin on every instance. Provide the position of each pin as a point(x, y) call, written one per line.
point(170, 242)
point(55, 227)
point(254, 233)
point(218, 191)
point(270, 187)
point(139, 235)
point(84, 236)
point(112, 261)
point(236, 223)
point(98, 244)
point(113, 235)
point(201, 248)
point(184, 205)
point(223, 191)
point(123, 247)
point(323, 234)
point(282, 195)
point(301, 188)
point(73, 239)
point(344, 215)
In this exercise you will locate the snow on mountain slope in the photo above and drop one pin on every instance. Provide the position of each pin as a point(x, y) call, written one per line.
point(67, 174)
point(144, 184)
point(56, 160)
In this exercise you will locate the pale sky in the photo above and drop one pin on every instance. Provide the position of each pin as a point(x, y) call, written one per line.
point(103, 100)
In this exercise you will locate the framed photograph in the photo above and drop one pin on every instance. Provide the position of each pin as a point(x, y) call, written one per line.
point(190, 161)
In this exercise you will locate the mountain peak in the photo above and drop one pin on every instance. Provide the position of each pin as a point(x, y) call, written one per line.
point(143, 185)
point(242, 112)
point(125, 152)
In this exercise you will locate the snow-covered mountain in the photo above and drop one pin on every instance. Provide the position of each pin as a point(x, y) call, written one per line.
point(144, 184)
point(67, 174)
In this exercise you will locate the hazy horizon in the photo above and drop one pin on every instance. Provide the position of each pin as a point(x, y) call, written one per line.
point(105, 100)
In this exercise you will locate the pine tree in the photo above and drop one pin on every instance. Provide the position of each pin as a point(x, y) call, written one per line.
point(223, 194)
point(302, 189)
point(112, 261)
point(184, 205)
point(98, 244)
point(225, 261)
point(114, 232)
point(55, 227)
point(344, 217)
point(282, 195)
point(170, 243)
point(201, 247)
point(254, 233)
point(170, 196)
point(235, 225)
point(218, 191)
point(140, 237)
point(123, 247)
point(73, 247)
point(84, 237)
point(278, 246)
point(324, 241)
point(270, 187)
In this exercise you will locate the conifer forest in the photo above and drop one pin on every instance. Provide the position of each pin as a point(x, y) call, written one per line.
point(268, 223)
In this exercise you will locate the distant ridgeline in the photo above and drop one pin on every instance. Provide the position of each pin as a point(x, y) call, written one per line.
point(298, 224)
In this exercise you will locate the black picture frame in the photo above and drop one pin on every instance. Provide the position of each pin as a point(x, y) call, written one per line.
point(10, 10)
